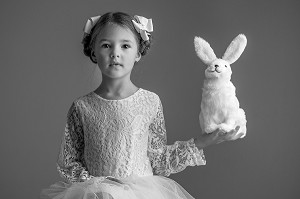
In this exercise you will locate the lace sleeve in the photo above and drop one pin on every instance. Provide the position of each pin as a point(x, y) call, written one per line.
point(167, 159)
point(71, 164)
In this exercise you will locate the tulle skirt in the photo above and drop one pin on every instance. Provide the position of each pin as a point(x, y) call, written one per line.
point(133, 187)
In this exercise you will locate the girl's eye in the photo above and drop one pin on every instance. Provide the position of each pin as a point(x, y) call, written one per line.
point(105, 46)
point(126, 46)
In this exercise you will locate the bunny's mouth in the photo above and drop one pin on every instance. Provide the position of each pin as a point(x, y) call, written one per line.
point(212, 71)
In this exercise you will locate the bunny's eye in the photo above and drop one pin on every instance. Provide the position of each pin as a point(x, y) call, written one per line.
point(226, 66)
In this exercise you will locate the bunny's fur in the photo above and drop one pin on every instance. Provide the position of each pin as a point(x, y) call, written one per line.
point(219, 105)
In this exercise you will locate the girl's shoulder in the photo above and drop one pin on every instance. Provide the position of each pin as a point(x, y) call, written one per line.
point(149, 93)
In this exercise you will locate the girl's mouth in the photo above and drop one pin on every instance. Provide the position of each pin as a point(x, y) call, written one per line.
point(115, 64)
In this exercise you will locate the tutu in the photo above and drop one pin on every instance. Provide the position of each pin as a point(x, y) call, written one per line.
point(133, 187)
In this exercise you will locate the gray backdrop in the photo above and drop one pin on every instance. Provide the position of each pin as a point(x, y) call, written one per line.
point(43, 70)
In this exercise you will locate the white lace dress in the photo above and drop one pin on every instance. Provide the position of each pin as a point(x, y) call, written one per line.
point(117, 149)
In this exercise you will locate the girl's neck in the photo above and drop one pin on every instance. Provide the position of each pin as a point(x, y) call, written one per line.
point(116, 89)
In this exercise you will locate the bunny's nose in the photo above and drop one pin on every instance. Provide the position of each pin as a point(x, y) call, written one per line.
point(216, 66)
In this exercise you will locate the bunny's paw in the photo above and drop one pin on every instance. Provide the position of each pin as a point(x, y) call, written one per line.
point(226, 127)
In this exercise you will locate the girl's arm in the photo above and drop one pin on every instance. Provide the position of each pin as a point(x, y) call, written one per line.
point(71, 164)
point(167, 159)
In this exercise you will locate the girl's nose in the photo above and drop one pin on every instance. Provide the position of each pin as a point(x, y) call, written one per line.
point(115, 53)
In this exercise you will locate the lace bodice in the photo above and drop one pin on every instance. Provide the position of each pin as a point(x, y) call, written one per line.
point(119, 138)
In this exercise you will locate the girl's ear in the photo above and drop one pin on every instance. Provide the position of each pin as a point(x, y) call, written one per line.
point(93, 56)
point(138, 57)
point(235, 49)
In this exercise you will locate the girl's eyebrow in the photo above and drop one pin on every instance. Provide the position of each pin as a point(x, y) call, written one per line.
point(123, 40)
point(126, 40)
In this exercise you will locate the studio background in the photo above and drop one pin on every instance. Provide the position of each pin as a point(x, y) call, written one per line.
point(43, 70)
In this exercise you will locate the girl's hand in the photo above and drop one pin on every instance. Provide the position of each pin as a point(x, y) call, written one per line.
point(215, 137)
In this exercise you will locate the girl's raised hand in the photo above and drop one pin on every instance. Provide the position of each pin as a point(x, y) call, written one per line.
point(215, 137)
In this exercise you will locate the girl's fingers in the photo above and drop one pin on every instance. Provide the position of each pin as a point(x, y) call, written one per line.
point(114, 179)
point(239, 136)
point(233, 134)
point(227, 136)
point(237, 128)
point(222, 134)
point(218, 142)
point(234, 131)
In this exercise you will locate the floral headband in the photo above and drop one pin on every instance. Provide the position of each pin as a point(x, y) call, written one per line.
point(143, 26)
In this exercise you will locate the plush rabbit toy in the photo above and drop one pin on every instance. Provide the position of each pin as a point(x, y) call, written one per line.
point(219, 105)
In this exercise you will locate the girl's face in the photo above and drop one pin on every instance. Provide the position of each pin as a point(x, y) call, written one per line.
point(116, 51)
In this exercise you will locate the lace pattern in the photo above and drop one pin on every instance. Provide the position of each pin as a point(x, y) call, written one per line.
point(71, 164)
point(167, 159)
point(119, 138)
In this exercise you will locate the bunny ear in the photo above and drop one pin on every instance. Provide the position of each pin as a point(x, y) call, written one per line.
point(235, 49)
point(204, 51)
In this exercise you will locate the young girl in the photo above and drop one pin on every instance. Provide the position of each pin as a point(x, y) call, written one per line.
point(114, 143)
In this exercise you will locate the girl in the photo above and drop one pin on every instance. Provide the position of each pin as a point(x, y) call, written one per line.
point(114, 143)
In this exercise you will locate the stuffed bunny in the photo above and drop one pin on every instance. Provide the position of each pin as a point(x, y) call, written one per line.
point(219, 105)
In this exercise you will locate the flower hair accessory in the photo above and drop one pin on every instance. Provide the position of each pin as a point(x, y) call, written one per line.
point(143, 26)
point(90, 24)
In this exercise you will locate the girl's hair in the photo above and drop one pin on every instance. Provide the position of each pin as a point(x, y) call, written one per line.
point(118, 18)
